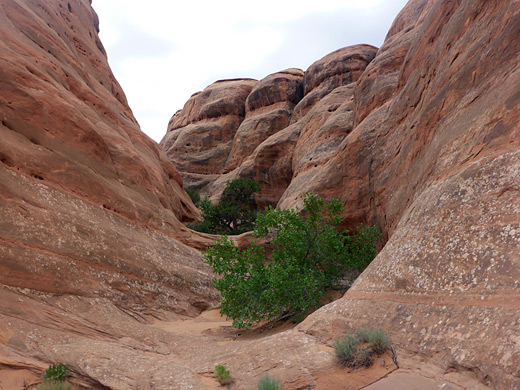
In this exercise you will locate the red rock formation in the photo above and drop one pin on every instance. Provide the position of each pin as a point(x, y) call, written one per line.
point(430, 154)
point(435, 163)
point(269, 108)
point(279, 100)
point(425, 144)
point(90, 207)
point(200, 136)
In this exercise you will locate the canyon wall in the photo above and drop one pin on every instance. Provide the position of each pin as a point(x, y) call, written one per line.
point(419, 137)
point(92, 211)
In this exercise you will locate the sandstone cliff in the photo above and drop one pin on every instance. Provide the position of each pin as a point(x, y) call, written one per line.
point(419, 137)
point(424, 143)
point(91, 210)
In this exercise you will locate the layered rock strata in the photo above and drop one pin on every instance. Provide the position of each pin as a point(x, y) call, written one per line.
point(91, 209)
point(281, 101)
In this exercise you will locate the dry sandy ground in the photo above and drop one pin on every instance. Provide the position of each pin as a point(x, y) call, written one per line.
point(382, 375)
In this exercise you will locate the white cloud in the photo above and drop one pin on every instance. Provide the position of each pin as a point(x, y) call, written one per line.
point(163, 51)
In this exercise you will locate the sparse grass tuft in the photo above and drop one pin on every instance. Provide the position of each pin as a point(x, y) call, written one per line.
point(379, 341)
point(345, 349)
point(269, 383)
point(357, 350)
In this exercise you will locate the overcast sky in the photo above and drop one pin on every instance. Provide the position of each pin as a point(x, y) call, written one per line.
point(163, 51)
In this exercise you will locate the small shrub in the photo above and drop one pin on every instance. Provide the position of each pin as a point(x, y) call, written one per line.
point(269, 383)
point(194, 196)
point(357, 350)
point(54, 385)
point(363, 335)
point(222, 375)
point(234, 214)
point(378, 341)
point(57, 372)
point(364, 358)
point(345, 349)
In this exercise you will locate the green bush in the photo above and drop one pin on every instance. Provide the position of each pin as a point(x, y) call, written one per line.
point(358, 349)
point(235, 213)
point(56, 372)
point(308, 255)
point(269, 383)
point(222, 375)
point(377, 339)
point(194, 196)
point(346, 349)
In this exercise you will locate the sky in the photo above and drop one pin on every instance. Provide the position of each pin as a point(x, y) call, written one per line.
point(163, 51)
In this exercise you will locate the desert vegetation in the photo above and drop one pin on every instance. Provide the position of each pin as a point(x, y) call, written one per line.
point(222, 375)
point(234, 214)
point(358, 349)
point(54, 378)
point(306, 255)
point(268, 383)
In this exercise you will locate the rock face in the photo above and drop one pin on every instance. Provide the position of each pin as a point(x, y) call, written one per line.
point(91, 209)
point(200, 136)
point(419, 137)
point(434, 161)
point(260, 150)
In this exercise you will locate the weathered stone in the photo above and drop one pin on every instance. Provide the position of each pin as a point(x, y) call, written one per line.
point(426, 147)
point(269, 108)
point(200, 136)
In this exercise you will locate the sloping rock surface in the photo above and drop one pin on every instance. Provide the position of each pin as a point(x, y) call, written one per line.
point(434, 161)
point(91, 210)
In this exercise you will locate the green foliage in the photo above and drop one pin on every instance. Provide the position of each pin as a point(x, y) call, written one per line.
point(309, 255)
point(269, 383)
point(345, 349)
point(364, 357)
point(378, 341)
point(222, 375)
point(56, 372)
point(194, 196)
point(235, 214)
point(54, 385)
point(358, 349)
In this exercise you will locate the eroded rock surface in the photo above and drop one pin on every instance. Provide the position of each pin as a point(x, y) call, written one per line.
point(200, 136)
point(436, 165)
point(91, 210)
point(423, 142)
point(294, 101)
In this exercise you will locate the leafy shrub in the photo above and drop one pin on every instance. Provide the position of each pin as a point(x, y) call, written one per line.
point(308, 256)
point(235, 213)
point(222, 375)
point(364, 357)
point(194, 196)
point(358, 349)
point(56, 372)
point(269, 383)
